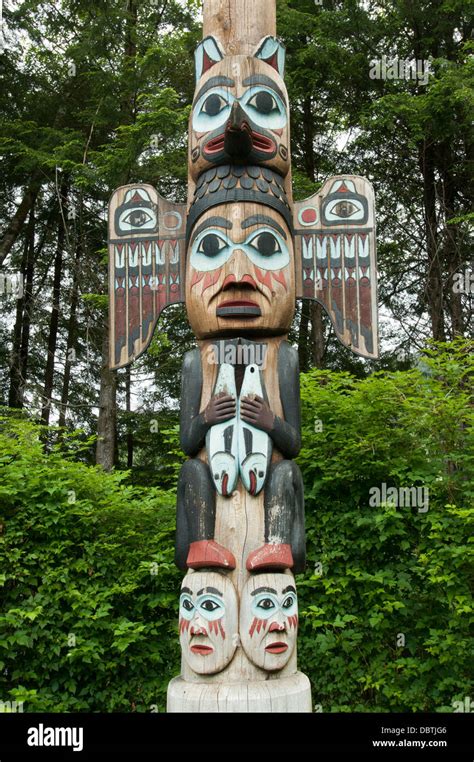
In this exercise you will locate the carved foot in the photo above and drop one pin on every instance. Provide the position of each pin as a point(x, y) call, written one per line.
point(270, 556)
point(208, 553)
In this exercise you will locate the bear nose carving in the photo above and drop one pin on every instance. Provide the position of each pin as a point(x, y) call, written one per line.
point(238, 140)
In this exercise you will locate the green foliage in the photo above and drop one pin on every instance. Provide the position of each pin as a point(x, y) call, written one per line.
point(89, 607)
point(90, 593)
point(385, 603)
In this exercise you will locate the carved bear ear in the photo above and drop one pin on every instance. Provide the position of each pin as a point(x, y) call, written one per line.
point(272, 52)
point(208, 53)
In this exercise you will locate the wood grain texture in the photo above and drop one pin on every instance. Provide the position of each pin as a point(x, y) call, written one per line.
point(239, 24)
point(285, 694)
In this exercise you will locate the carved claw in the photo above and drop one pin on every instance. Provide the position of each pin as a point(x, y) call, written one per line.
point(270, 556)
point(208, 553)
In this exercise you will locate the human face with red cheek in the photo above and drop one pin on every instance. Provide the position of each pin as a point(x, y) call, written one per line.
point(269, 620)
point(207, 622)
point(240, 277)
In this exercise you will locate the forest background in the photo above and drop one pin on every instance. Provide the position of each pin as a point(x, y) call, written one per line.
point(96, 95)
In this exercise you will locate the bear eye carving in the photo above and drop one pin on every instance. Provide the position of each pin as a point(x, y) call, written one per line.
point(264, 102)
point(213, 105)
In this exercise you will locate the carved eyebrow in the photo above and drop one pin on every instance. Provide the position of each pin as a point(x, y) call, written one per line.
point(262, 219)
point(289, 589)
point(187, 590)
point(210, 590)
point(219, 222)
point(263, 590)
point(214, 82)
point(262, 79)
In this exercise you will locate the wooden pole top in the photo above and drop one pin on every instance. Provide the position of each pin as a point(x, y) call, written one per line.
point(239, 24)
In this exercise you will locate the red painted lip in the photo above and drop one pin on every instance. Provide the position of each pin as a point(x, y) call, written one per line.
point(216, 145)
point(238, 303)
point(225, 482)
point(202, 650)
point(277, 648)
point(253, 483)
point(262, 144)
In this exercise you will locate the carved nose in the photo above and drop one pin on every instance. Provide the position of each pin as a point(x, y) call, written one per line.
point(198, 630)
point(276, 627)
point(238, 140)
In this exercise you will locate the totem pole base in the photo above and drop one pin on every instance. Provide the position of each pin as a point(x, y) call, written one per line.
point(287, 694)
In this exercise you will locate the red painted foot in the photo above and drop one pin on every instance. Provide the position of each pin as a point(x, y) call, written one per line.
point(270, 556)
point(209, 553)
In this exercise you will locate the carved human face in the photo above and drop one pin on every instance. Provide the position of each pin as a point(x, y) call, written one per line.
point(269, 620)
point(240, 115)
point(208, 614)
point(240, 278)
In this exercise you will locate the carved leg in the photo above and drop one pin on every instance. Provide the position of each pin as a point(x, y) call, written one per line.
point(196, 518)
point(284, 521)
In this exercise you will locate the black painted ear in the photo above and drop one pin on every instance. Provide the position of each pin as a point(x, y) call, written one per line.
point(207, 53)
point(272, 52)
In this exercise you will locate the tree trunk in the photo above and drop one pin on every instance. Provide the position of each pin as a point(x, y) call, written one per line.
point(303, 337)
point(452, 239)
point(308, 126)
point(71, 337)
point(107, 424)
point(434, 283)
point(54, 321)
point(317, 335)
point(17, 221)
point(128, 389)
point(19, 358)
point(107, 447)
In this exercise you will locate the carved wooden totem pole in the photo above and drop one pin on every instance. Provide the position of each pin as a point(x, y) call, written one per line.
point(239, 254)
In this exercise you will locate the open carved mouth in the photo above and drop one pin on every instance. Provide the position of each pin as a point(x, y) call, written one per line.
point(238, 308)
point(260, 143)
point(202, 650)
point(277, 648)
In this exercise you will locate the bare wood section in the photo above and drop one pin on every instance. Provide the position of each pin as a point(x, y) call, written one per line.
point(285, 694)
point(239, 24)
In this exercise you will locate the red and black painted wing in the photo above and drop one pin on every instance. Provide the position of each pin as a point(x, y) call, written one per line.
point(146, 267)
point(335, 254)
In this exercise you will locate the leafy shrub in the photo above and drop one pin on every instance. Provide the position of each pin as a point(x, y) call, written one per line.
point(385, 603)
point(89, 583)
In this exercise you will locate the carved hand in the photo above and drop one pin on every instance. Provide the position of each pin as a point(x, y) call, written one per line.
point(221, 408)
point(256, 411)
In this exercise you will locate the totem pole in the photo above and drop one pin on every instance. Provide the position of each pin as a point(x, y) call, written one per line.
point(238, 255)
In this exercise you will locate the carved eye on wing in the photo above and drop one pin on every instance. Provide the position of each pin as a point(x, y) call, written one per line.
point(137, 213)
point(265, 108)
point(344, 210)
point(343, 204)
point(137, 218)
